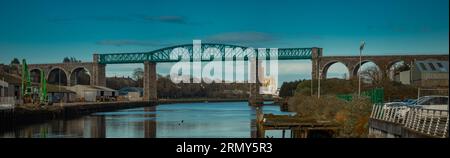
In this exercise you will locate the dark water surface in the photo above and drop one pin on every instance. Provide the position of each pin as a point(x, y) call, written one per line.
point(184, 120)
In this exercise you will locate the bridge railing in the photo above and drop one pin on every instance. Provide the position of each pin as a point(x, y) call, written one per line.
point(425, 121)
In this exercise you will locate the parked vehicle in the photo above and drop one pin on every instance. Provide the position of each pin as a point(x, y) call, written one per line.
point(425, 102)
point(410, 102)
point(433, 102)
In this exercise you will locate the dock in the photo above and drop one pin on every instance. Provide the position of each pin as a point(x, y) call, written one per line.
point(299, 127)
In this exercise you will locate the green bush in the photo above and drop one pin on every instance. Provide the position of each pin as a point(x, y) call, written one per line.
point(352, 116)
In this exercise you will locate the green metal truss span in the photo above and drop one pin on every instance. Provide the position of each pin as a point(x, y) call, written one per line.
point(225, 52)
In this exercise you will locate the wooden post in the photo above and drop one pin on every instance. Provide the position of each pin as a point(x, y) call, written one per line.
point(259, 123)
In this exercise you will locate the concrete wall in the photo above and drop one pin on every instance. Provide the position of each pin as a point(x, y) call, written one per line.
point(405, 77)
point(384, 129)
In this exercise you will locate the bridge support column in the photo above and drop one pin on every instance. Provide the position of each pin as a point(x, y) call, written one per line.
point(316, 55)
point(98, 77)
point(150, 81)
point(255, 98)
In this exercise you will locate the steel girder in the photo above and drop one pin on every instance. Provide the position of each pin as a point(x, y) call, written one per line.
point(207, 52)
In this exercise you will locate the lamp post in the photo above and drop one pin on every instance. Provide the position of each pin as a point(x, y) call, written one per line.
point(318, 82)
point(361, 47)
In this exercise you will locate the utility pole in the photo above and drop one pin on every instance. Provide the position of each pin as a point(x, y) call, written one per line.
point(361, 47)
point(318, 84)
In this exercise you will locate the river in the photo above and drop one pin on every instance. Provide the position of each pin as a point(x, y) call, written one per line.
point(182, 120)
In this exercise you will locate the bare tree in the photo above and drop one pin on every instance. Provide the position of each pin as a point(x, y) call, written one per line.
point(138, 74)
point(373, 74)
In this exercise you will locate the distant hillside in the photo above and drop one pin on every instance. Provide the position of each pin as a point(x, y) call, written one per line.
point(120, 82)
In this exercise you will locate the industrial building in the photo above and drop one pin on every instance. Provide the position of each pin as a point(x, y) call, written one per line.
point(93, 93)
point(426, 73)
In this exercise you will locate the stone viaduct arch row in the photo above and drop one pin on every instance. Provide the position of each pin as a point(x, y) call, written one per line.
point(384, 63)
point(96, 71)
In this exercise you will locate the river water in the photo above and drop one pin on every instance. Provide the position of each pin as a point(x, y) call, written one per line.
point(183, 120)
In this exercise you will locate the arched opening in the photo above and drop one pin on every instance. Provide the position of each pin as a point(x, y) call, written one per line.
point(57, 76)
point(395, 68)
point(35, 76)
point(80, 76)
point(335, 69)
point(369, 71)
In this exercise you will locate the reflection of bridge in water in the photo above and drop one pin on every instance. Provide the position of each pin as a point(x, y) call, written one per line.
point(92, 126)
point(67, 73)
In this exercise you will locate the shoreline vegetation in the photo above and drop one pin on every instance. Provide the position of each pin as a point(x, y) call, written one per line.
point(352, 116)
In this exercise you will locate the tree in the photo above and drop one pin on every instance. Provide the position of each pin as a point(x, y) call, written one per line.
point(402, 67)
point(71, 60)
point(15, 61)
point(373, 74)
point(66, 60)
point(138, 74)
point(288, 88)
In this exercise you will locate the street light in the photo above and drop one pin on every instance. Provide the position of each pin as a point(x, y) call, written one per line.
point(361, 47)
point(318, 86)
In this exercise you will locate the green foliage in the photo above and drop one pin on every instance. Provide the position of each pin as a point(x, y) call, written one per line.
point(15, 61)
point(166, 89)
point(392, 90)
point(138, 74)
point(71, 60)
point(351, 116)
point(288, 88)
point(329, 86)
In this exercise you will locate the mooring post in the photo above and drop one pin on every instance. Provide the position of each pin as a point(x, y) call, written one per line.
point(259, 123)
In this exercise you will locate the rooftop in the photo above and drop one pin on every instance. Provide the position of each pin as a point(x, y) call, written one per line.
point(432, 66)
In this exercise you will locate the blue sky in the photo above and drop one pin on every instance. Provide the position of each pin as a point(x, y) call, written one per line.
point(45, 31)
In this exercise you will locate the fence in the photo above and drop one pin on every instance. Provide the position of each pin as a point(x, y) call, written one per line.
point(426, 121)
point(424, 92)
point(375, 95)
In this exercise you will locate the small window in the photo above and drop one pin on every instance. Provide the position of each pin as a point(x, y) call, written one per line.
point(423, 66)
point(440, 65)
point(432, 66)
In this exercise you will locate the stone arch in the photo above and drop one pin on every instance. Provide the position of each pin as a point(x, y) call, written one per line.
point(371, 76)
point(390, 69)
point(57, 75)
point(35, 75)
point(75, 77)
point(356, 67)
point(325, 68)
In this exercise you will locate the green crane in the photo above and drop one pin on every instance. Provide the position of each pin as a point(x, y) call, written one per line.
point(43, 91)
point(27, 89)
point(26, 82)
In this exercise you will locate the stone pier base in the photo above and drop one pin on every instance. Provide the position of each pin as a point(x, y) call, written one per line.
point(150, 82)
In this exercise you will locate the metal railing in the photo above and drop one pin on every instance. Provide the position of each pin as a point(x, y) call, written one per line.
point(426, 121)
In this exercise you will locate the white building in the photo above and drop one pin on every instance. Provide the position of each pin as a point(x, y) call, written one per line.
point(6, 101)
point(427, 73)
point(93, 93)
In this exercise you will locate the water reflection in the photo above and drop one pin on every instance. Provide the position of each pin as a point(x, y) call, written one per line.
point(189, 120)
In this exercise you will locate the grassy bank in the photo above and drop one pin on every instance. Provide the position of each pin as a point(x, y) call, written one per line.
point(352, 117)
point(392, 90)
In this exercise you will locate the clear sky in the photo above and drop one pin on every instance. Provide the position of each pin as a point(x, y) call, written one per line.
point(46, 31)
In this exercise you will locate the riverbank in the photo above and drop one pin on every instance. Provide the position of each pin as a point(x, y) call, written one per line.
point(29, 114)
